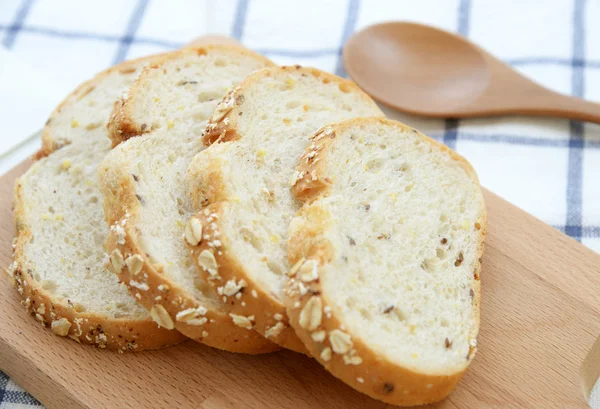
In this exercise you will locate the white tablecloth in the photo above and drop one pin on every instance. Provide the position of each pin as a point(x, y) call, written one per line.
point(549, 167)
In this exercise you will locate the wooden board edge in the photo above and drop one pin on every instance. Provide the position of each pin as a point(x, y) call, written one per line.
point(590, 370)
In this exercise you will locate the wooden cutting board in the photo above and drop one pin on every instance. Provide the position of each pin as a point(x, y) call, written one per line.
point(540, 316)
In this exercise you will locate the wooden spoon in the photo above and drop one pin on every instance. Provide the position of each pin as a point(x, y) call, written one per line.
point(430, 72)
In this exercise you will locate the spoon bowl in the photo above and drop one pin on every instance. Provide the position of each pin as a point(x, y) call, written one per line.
point(430, 72)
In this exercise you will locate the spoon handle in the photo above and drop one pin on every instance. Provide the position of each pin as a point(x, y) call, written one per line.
point(549, 103)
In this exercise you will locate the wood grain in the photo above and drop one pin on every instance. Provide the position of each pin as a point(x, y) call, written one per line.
point(540, 315)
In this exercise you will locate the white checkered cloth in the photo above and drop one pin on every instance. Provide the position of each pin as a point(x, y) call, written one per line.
point(549, 167)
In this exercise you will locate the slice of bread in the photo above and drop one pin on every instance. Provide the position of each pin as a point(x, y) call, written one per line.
point(388, 244)
point(242, 185)
point(83, 114)
point(59, 254)
point(184, 100)
point(146, 198)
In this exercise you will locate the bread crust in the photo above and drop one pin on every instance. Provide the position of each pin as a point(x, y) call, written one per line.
point(251, 300)
point(212, 192)
point(121, 208)
point(122, 125)
point(84, 327)
point(375, 375)
point(49, 142)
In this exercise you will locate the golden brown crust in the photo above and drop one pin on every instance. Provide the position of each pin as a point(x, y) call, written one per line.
point(246, 299)
point(64, 319)
point(370, 373)
point(311, 179)
point(122, 124)
point(49, 142)
point(153, 290)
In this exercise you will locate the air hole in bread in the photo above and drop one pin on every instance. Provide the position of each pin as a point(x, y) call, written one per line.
point(208, 95)
point(220, 63)
point(200, 117)
point(429, 265)
point(49, 285)
point(374, 165)
point(251, 238)
point(293, 104)
point(441, 253)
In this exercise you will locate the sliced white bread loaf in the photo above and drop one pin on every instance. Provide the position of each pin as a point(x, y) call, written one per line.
point(59, 251)
point(146, 198)
point(241, 185)
point(388, 246)
point(83, 114)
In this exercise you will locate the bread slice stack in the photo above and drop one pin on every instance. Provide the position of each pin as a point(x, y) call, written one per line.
point(253, 207)
point(387, 291)
point(374, 230)
point(147, 201)
point(59, 258)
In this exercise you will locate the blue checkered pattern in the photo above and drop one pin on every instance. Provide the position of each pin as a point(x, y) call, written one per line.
point(549, 167)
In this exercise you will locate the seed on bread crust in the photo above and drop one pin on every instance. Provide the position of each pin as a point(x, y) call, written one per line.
point(207, 261)
point(242, 321)
point(275, 330)
point(193, 231)
point(160, 315)
point(224, 107)
point(352, 360)
point(232, 288)
point(312, 314)
point(296, 267)
point(308, 271)
point(326, 354)
point(139, 285)
point(192, 316)
point(61, 327)
point(116, 260)
point(340, 341)
point(134, 264)
point(318, 336)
